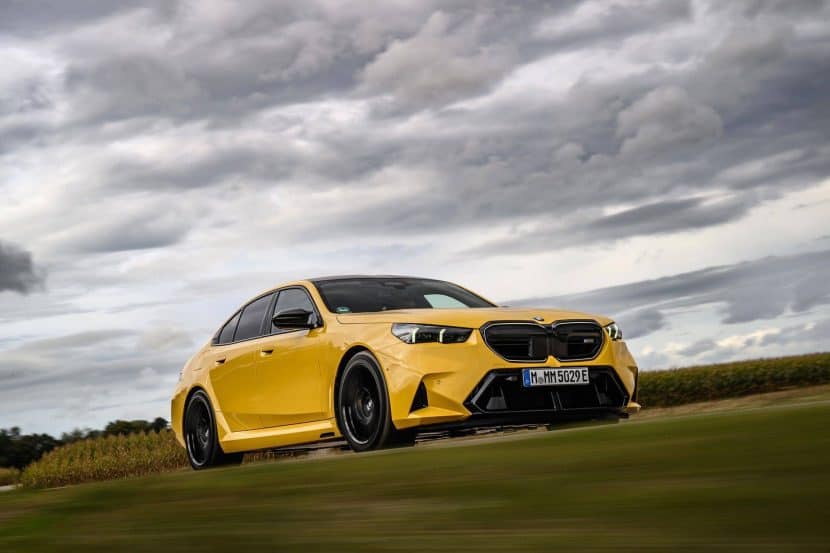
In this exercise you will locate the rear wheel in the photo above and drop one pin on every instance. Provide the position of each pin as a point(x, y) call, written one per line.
point(201, 440)
point(363, 412)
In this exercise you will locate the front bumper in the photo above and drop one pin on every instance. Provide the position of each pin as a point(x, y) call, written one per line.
point(469, 385)
point(501, 391)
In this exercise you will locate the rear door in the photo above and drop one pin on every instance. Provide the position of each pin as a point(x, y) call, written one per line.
point(233, 366)
point(289, 371)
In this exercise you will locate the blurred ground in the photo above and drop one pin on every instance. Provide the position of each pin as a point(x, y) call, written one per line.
point(741, 479)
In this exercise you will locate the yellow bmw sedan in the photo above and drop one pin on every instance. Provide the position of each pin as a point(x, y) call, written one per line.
point(374, 360)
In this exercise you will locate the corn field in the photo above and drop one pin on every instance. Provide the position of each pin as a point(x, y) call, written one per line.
point(106, 458)
point(9, 476)
point(727, 380)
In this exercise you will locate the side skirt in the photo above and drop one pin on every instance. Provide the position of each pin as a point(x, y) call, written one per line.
point(280, 436)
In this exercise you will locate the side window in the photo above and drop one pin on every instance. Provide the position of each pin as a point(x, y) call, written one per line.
point(250, 324)
point(291, 298)
point(227, 332)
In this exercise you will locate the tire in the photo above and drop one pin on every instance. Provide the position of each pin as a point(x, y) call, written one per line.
point(363, 413)
point(200, 437)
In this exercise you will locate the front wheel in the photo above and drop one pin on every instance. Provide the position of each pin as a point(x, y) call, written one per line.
point(201, 440)
point(363, 412)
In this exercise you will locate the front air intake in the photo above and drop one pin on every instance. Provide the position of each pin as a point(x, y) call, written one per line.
point(501, 391)
point(420, 401)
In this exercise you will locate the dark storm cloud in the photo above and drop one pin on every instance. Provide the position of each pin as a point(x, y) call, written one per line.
point(667, 216)
point(425, 54)
point(700, 347)
point(815, 333)
point(63, 382)
point(17, 270)
point(140, 86)
point(262, 163)
point(132, 223)
point(643, 322)
point(650, 219)
point(616, 22)
point(260, 55)
point(755, 8)
point(34, 17)
point(573, 157)
point(79, 340)
point(754, 290)
point(97, 359)
point(739, 117)
point(131, 86)
point(747, 117)
point(140, 238)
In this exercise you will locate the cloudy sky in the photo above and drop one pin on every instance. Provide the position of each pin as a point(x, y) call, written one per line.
point(664, 162)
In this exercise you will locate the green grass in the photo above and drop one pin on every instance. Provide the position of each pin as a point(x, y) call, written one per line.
point(742, 480)
point(728, 380)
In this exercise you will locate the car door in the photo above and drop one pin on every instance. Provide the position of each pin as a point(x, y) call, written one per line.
point(289, 371)
point(233, 366)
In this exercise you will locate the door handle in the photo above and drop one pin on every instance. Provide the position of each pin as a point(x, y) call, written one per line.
point(221, 361)
point(266, 351)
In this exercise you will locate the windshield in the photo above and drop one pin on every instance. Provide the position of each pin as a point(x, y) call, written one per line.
point(365, 295)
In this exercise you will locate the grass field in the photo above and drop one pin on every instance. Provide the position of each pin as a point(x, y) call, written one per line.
point(752, 479)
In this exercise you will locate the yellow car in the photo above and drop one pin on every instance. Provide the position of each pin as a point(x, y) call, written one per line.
point(374, 360)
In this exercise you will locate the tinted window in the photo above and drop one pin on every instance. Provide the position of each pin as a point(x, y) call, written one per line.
point(362, 295)
point(292, 298)
point(226, 334)
point(250, 325)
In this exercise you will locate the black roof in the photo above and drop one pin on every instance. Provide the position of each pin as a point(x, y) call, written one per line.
point(366, 277)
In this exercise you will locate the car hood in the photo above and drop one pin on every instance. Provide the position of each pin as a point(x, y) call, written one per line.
point(471, 318)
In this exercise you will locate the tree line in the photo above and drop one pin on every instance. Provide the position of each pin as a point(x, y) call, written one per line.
point(18, 450)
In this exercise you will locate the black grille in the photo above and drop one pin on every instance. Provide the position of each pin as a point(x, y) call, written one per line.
point(518, 342)
point(577, 340)
point(501, 391)
point(528, 342)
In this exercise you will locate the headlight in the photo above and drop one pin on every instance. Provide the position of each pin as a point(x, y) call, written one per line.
point(417, 334)
point(614, 332)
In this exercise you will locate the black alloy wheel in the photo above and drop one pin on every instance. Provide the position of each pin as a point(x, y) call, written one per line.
point(201, 441)
point(363, 413)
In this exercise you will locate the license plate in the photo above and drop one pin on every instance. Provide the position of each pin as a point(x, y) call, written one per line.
point(570, 376)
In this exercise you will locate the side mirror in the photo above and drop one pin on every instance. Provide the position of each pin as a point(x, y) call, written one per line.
point(295, 318)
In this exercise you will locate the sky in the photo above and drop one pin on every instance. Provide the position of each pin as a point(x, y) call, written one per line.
point(662, 162)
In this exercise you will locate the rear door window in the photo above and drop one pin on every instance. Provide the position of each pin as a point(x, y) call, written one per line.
point(227, 332)
point(253, 315)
